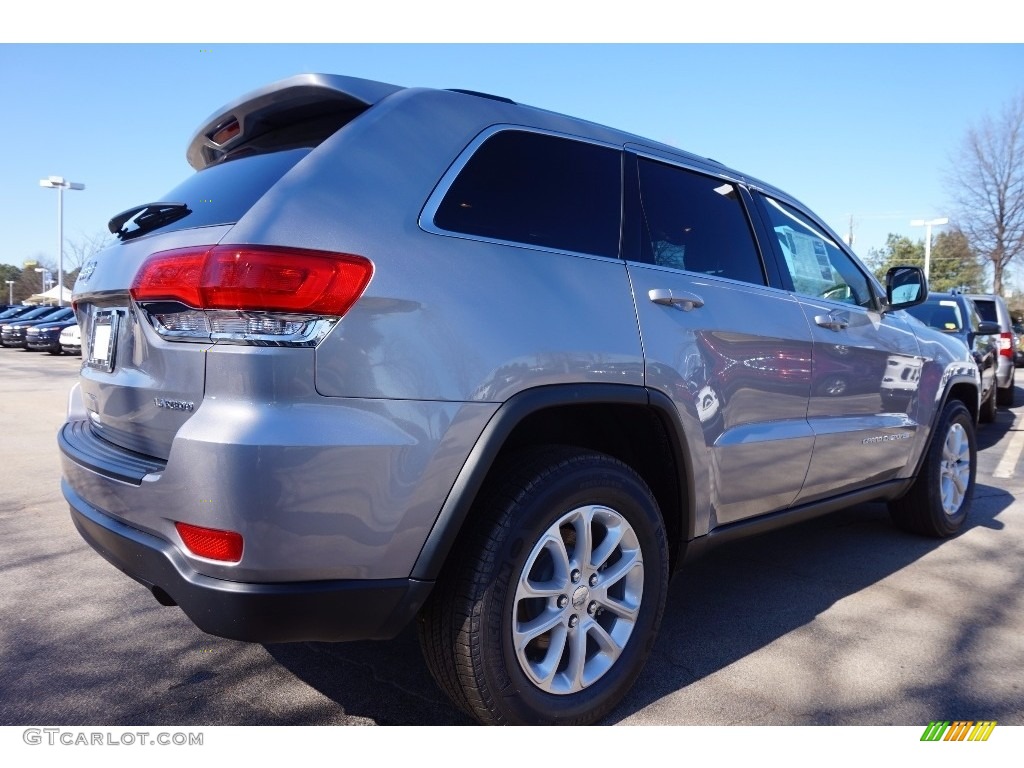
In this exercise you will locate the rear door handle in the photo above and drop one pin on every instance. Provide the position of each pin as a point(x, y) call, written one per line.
point(683, 300)
point(834, 321)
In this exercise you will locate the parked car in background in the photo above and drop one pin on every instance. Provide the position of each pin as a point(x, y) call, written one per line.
point(957, 315)
point(993, 308)
point(1018, 347)
point(46, 336)
point(403, 356)
point(12, 332)
point(16, 311)
point(71, 340)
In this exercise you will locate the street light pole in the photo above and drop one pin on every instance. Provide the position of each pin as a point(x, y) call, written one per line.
point(60, 184)
point(10, 290)
point(46, 275)
point(928, 238)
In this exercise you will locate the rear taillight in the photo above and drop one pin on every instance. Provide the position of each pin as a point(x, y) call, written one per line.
point(211, 543)
point(249, 294)
point(1006, 344)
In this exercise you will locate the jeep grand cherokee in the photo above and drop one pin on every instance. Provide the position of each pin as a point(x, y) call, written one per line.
point(400, 354)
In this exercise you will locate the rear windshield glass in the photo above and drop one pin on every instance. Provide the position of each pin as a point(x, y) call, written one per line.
point(987, 310)
point(944, 315)
point(32, 314)
point(222, 193)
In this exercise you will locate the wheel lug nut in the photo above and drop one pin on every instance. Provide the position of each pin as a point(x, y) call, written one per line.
point(563, 600)
point(592, 608)
point(593, 579)
point(575, 576)
point(573, 621)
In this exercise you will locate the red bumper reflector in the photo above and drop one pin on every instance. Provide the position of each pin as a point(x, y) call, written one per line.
point(211, 543)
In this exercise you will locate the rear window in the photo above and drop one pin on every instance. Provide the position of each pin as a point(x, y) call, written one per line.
point(538, 189)
point(222, 193)
point(987, 310)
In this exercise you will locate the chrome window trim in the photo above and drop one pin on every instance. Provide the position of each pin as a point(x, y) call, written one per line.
point(426, 217)
point(686, 163)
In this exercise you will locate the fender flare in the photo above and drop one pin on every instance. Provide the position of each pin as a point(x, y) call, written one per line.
point(509, 415)
point(954, 375)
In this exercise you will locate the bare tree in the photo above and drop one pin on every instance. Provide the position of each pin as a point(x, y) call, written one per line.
point(81, 249)
point(987, 185)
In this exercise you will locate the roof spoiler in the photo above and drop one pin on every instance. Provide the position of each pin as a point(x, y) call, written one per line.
point(302, 97)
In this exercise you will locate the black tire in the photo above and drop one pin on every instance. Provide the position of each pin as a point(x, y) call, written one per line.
point(1005, 396)
point(936, 504)
point(989, 406)
point(521, 527)
point(57, 351)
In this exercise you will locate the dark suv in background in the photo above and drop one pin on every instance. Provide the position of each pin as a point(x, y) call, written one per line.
point(957, 315)
point(12, 332)
point(398, 355)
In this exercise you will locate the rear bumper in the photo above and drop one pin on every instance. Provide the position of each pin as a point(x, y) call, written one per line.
point(265, 613)
point(1004, 371)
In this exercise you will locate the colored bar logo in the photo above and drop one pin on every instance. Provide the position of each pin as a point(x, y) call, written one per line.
point(958, 730)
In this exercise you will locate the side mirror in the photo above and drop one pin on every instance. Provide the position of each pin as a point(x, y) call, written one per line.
point(905, 287)
point(988, 328)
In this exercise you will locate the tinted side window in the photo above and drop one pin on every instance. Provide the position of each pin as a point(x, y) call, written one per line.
point(818, 266)
point(537, 189)
point(696, 223)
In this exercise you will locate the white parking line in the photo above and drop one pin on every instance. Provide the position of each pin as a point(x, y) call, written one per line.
point(1011, 455)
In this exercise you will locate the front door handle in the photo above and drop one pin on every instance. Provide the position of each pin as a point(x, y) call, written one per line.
point(834, 321)
point(683, 300)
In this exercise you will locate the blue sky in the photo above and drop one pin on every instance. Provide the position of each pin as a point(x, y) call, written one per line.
point(861, 129)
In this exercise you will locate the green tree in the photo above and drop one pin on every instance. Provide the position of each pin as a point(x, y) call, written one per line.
point(30, 282)
point(899, 250)
point(1015, 303)
point(8, 272)
point(952, 265)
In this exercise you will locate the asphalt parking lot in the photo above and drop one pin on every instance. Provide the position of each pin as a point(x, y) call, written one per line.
point(841, 621)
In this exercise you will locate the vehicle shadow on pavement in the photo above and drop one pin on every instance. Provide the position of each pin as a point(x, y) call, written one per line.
point(386, 683)
point(990, 434)
point(745, 596)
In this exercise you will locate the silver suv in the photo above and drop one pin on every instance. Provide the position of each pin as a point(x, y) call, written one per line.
point(398, 353)
point(993, 309)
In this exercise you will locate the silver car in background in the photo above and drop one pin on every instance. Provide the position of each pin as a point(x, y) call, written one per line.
point(993, 309)
point(396, 354)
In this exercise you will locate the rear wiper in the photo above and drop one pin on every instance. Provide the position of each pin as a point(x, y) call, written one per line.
point(146, 218)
